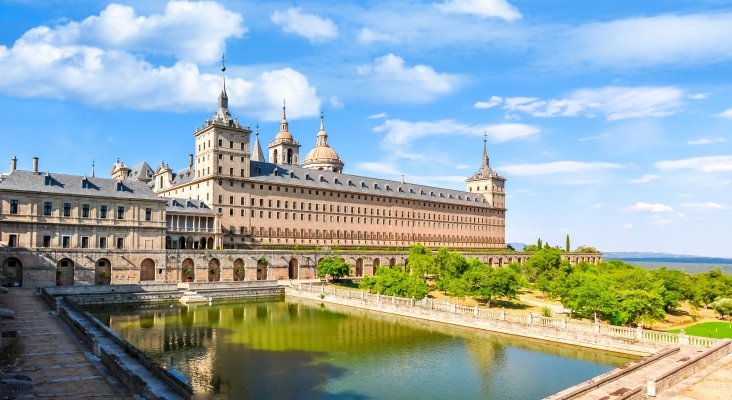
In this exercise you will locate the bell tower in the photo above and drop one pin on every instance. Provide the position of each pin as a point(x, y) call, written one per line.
point(284, 149)
point(487, 182)
point(222, 143)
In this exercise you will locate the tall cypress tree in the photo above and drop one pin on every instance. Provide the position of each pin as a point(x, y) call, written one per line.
point(567, 246)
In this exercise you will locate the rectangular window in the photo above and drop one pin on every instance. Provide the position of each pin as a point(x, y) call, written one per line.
point(46, 241)
point(120, 243)
point(84, 242)
point(65, 242)
point(12, 240)
point(67, 209)
point(148, 214)
point(47, 208)
point(103, 212)
point(120, 212)
point(102, 243)
point(13, 206)
point(85, 210)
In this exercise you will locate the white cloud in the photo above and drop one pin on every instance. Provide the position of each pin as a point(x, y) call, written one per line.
point(628, 226)
point(377, 168)
point(61, 64)
point(309, 26)
point(492, 102)
point(481, 8)
point(596, 137)
point(666, 39)
point(649, 207)
point(559, 167)
point(644, 179)
point(368, 36)
point(335, 102)
point(399, 132)
point(705, 141)
point(658, 220)
point(726, 113)
point(393, 80)
point(702, 164)
point(464, 166)
point(705, 206)
point(613, 102)
point(699, 96)
point(380, 115)
point(177, 31)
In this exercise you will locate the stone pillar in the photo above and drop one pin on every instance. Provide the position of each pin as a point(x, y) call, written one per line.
point(651, 387)
point(378, 298)
point(475, 311)
point(639, 332)
point(412, 303)
point(683, 338)
point(597, 327)
point(564, 323)
point(530, 318)
point(502, 315)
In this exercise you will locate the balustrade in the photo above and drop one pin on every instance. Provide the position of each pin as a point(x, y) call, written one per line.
point(452, 310)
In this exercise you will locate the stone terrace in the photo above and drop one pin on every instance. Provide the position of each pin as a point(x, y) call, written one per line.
point(52, 356)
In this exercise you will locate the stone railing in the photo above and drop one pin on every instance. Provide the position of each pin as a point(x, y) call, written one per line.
point(618, 338)
point(658, 384)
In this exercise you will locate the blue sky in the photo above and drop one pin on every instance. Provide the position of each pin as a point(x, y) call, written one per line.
point(611, 121)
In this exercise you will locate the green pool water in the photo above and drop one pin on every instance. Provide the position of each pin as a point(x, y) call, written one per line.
point(297, 349)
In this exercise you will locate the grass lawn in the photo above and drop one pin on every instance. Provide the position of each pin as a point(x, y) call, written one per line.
point(717, 329)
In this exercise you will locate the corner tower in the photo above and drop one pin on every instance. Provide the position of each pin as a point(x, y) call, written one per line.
point(222, 143)
point(284, 149)
point(487, 182)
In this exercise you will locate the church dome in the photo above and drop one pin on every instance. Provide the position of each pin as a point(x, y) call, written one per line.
point(322, 156)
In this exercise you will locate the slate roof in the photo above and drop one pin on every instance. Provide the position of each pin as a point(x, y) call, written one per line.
point(326, 180)
point(183, 176)
point(188, 206)
point(27, 181)
point(141, 172)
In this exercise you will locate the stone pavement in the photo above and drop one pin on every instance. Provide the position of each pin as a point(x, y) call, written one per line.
point(52, 356)
point(712, 383)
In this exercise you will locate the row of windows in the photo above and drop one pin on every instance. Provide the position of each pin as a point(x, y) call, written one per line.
point(66, 242)
point(365, 220)
point(364, 235)
point(85, 210)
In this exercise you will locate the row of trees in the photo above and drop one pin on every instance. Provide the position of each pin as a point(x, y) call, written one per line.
point(614, 291)
point(622, 293)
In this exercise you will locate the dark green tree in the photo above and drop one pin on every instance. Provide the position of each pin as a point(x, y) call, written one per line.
point(333, 267)
point(566, 245)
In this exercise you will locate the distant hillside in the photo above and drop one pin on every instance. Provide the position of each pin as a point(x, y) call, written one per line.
point(631, 256)
point(518, 246)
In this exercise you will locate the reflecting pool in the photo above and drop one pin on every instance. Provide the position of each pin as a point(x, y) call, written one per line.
point(298, 349)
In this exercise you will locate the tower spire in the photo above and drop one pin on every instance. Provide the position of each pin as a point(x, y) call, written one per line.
point(284, 125)
point(486, 162)
point(223, 98)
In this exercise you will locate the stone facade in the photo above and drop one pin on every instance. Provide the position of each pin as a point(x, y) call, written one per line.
point(65, 267)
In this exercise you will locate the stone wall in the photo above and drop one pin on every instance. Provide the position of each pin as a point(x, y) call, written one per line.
point(43, 267)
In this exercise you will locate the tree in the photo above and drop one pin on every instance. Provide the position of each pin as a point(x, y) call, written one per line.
point(588, 294)
point(395, 282)
point(566, 245)
point(421, 260)
point(723, 306)
point(539, 245)
point(530, 247)
point(586, 249)
point(541, 262)
point(333, 267)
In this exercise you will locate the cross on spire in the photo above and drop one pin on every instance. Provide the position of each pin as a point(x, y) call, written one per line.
point(223, 62)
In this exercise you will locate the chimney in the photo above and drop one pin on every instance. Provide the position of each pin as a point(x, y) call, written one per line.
point(13, 164)
point(35, 165)
point(190, 161)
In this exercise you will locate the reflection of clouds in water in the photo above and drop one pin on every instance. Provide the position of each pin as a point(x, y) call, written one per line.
point(303, 349)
